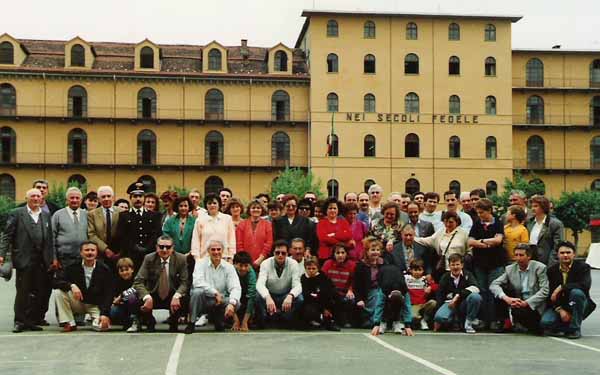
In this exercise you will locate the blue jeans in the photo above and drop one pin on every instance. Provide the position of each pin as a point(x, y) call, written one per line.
point(468, 307)
point(373, 311)
point(484, 279)
point(278, 299)
point(577, 302)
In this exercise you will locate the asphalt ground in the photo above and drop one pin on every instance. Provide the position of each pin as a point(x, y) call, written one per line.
point(350, 352)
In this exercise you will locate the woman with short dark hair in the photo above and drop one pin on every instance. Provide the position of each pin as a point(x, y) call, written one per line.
point(332, 229)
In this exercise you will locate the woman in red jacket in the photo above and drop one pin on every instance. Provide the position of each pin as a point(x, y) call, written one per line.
point(332, 229)
point(255, 234)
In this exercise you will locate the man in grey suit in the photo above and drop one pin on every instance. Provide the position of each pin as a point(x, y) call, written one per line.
point(28, 237)
point(545, 231)
point(522, 288)
point(407, 250)
point(69, 228)
point(422, 228)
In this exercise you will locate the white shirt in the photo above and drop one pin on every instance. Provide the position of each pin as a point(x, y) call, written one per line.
point(35, 215)
point(223, 279)
point(87, 272)
point(534, 236)
point(435, 218)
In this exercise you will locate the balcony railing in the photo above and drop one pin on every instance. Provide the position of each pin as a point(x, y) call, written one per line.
point(562, 119)
point(559, 164)
point(556, 82)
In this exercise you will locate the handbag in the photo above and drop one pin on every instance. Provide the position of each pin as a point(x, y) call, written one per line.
point(441, 264)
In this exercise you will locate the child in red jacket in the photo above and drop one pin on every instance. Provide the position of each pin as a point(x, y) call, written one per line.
point(422, 293)
point(340, 271)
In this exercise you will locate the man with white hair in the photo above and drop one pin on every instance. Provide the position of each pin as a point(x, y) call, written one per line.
point(102, 225)
point(28, 237)
point(375, 196)
point(69, 229)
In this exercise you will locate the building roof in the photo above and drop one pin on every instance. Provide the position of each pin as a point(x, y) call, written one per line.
point(118, 58)
point(556, 50)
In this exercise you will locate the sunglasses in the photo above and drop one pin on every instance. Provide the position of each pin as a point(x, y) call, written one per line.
point(280, 252)
point(165, 247)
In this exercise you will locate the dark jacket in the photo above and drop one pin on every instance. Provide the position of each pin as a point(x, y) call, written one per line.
point(423, 229)
point(300, 227)
point(398, 257)
point(136, 235)
point(551, 235)
point(17, 240)
point(146, 280)
point(579, 277)
point(362, 281)
point(447, 290)
point(390, 278)
point(318, 289)
point(100, 292)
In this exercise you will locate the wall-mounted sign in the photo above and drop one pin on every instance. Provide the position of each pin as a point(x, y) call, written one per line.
point(408, 118)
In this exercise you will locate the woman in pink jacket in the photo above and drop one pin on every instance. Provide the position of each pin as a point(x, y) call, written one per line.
point(255, 234)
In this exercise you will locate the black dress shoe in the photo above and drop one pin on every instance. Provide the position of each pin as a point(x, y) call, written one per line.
point(18, 328)
point(43, 323)
point(189, 328)
point(34, 328)
point(173, 328)
point(574, 335)
point(151, 328)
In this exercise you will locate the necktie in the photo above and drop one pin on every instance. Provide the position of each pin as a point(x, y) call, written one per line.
point(108, 226)
point(409, 253)
point(75, 219)
point(163, 282)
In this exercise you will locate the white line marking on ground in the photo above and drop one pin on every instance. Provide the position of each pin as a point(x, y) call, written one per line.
point(575, 344)
point(408, 355)
point(174, 357)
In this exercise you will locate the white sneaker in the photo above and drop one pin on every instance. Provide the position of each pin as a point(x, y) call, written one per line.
point(469, 326)
point(202, 321)
point(133, 328)
point(382, 327)
point(96, 325)
point(424, 325)
point(398, 327)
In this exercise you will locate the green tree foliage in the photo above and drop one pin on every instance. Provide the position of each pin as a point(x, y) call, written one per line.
point(296, 181)
point(181, 191)
point(6, 205)
point(531, 187)
point(575, 208)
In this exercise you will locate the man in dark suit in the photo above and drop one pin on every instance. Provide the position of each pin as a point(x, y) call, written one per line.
point(407, 250)
point(85, 288)
point(28, 237)
point(292, 225)
point(422, 228)
point(569, 303)
point(162, 282)
point(138, 228)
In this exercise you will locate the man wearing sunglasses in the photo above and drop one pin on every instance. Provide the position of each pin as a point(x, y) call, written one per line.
point(162, 283)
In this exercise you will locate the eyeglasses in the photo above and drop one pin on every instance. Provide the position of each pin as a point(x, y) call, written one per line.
point(280, 252)
point(164, 247)
point(215, 249)
point(290, 206)
point(304, 208)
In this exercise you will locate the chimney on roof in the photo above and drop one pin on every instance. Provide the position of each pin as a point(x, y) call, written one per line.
point(244, 50)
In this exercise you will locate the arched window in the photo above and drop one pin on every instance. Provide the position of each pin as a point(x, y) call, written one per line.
point(412, 32)
point(280, 149)
point(369, 103)
point(596, 185)
point(453, 31)
point(77, 147)
point(280, 106)
point(149, 183)
point(7, 53)
point(490, 33)
point(214, 59)
point(491, 149)
point(146, 103)
point(454, 144)
point(534, 73)
point(8, 100)
point(214, 105)
point(333, 188)
point(541, 190)
point(146, 147)
point(490, 105)
point(213, 148)
point(369, 30)
point(454, 104)
point(455, 187)
point(367, 184)
point(332, 28)
point(490, 67)
point(411, 146)
point(454, 65)
point(595, 73)
point(411, 64)
point(535, 110)
point(332, 63)
point(412, 186)
point(595, 152)
point(369, 145)
point(369, 64)
point(147, 58)
point(491, 188)
point(8, 145)
point(411, 103)
point(77, 102)
point(332, 102)
point(535, 152)
point(333, 145)
point(77, 55)
point(595, 111)
point(213, 184)
point(77, 180)
point(7, 186)
point(281, 61)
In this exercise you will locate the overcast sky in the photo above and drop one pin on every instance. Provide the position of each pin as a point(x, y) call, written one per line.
point(571, 23)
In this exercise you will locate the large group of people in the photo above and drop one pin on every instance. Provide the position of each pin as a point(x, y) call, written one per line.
point(397, 265)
